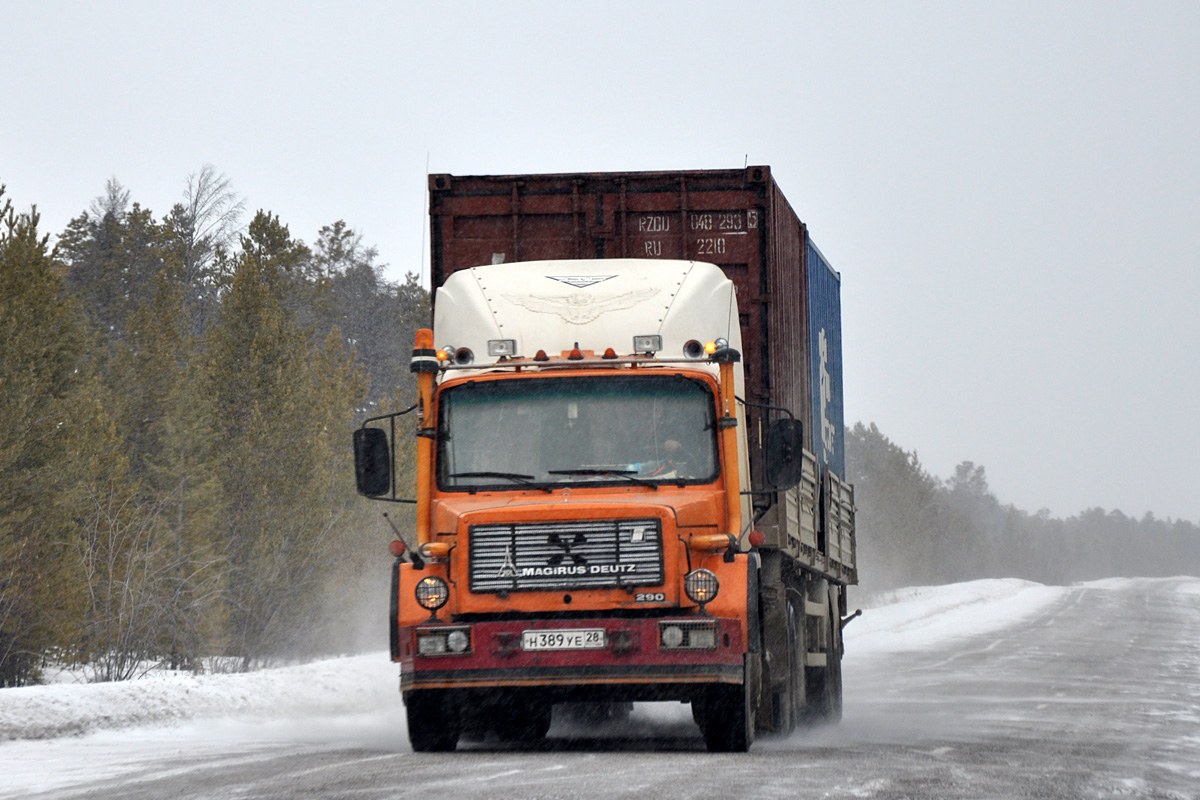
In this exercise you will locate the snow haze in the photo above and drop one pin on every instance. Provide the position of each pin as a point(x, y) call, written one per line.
point(1010, 190)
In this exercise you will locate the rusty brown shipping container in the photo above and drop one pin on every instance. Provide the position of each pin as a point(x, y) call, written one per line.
point(738, 219)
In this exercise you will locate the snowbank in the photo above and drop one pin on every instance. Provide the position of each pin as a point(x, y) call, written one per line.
point(335, 686)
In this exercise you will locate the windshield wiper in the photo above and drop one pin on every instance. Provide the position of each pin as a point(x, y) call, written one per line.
point(627, 474)
point(515, 477)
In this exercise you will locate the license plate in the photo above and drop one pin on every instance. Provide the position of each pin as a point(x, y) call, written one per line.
point(564, 639)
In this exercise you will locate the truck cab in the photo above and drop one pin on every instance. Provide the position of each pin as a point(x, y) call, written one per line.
point(585, 537)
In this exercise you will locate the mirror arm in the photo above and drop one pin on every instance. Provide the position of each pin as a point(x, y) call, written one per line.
point(764, 405)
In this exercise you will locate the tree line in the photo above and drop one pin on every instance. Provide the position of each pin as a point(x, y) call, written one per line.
point(178, 396)
point(914, 528)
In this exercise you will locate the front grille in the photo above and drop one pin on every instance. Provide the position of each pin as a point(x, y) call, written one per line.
point(592, 554)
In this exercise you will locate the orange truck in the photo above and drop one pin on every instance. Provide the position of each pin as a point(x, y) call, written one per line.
point(630, 478)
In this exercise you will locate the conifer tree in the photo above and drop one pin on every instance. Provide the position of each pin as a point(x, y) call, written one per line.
point(271, 424)
point(56, 444)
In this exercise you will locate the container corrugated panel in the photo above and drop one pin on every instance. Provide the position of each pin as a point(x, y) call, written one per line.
point(825, 361)
point(725, 217)
point(787, 322)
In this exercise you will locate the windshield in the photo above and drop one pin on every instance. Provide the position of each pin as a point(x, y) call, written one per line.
point(508, 434)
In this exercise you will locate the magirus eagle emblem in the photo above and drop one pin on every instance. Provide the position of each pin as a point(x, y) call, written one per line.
point(580, 308)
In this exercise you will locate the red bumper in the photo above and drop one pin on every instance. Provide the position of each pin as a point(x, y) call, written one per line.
point(632, 655)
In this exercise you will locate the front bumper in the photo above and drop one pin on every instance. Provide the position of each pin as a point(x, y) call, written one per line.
point(632, 657)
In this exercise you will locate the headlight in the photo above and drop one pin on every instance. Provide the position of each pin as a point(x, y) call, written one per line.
point(691, 634)
point(445, 641)
point(701, 586)
point(457, 641)
point(672, 636)
point(432, 592)
point(431, 644)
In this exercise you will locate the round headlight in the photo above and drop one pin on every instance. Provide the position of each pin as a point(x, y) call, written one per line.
point(457, 641)
point(672, 636)
point(432, 592)
point(701, 586)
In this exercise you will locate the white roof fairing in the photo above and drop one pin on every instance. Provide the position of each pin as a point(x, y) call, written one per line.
point(552, 305)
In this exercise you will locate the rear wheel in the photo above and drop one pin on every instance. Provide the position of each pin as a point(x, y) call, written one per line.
point(835, 663)
point(433, 724)
point(825, 682)
point(788, 702)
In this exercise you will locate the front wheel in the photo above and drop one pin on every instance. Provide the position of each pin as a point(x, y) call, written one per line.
point(433, 724)
point(728, 718)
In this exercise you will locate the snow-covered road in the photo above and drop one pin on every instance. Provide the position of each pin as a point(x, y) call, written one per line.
point(981, 689)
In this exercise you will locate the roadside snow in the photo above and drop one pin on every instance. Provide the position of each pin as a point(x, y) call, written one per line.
point(335, 686)
point(924, 617)
point(911, 619)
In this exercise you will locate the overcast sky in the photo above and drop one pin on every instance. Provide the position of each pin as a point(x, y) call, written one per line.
point(1011, 190)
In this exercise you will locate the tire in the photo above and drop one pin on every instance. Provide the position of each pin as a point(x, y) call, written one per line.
point(795, 630)
point(825, 683)
point(785, 704)
point(728, 718)
point(433, 724)
point(834, 670)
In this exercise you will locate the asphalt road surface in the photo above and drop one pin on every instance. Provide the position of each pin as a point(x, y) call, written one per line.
point(1096, 696)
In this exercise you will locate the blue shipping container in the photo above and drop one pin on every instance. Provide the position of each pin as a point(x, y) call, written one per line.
point(825, 361)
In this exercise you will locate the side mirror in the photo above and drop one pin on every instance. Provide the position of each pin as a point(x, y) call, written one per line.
point(785, 453)
point(372, 462)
